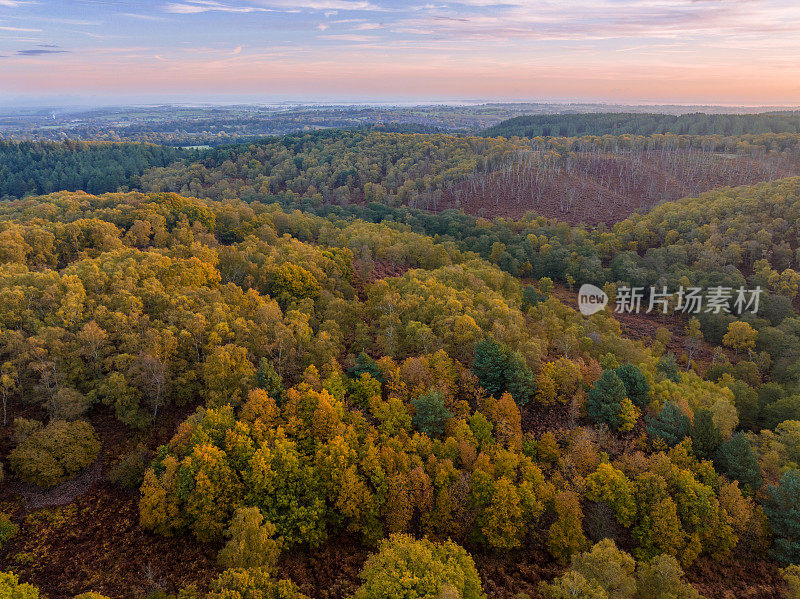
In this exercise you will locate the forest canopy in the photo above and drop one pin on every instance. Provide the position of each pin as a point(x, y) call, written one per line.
point(572, 125)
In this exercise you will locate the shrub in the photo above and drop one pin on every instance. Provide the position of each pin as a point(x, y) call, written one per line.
point(252, 583)
point(55, 452)
point(128, 473)
point(7, 528)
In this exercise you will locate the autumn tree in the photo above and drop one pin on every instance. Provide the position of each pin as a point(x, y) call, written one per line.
point(228, 375)
point(251, 543)
point(11, 587)
point(565, 536)
point(610, 486)
point(213, 490)
point(693, 340)
point(8, 386)
point(55, 452)
point(405, 567)
point(662, 578)
point(740, 336)
point(572, 585)
point(252, 583)
point(611, 568)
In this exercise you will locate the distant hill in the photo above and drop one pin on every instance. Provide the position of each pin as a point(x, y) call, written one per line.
point(572, 125)
point(588, 179)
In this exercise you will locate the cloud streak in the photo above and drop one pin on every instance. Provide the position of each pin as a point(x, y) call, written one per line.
point(23, 29)
point(193, 7)
point(40, 52)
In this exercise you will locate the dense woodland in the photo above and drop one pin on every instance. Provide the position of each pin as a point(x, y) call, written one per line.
point(575, 125)
point(224, 396)
point(32, 168)
point(589, 179)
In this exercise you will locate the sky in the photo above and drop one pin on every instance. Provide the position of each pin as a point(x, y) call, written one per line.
point(738, 52)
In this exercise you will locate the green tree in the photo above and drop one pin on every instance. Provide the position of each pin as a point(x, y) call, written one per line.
point(490, 365)
point(430, 414)
point(268, 379)
point(500, 370)
point(736, 458)
point(668, 366)
point(782, 507)
point(365, 364)
point(671, 424)
point(605, 399)
point(636, 386)
point(520, 380)
point(706, 437)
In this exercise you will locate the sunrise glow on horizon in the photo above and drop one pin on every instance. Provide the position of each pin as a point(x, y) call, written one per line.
point(623, 51)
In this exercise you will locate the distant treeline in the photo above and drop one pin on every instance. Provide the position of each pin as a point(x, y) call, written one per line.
point(32, 168)
point(572, 125)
